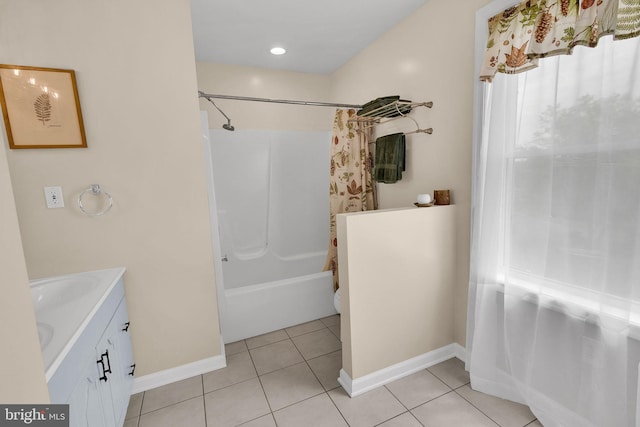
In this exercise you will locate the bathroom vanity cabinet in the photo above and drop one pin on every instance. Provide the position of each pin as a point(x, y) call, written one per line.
point(101, 395)
point(94, 373)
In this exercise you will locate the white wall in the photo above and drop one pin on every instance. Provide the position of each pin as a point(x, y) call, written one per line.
point(272, 205)
point(135, 68)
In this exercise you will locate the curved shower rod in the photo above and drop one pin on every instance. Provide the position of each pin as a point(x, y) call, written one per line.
point(277, 101)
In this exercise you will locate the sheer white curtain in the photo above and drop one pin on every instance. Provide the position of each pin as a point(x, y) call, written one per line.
point(554, 303)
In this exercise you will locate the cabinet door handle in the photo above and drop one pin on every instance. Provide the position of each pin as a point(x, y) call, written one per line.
point(103, 377)
point(108, 370)
point(133, 369)
point(126, 327)
point(105, 369)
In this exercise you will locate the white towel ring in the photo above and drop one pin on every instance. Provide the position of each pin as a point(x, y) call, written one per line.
point(96, 191)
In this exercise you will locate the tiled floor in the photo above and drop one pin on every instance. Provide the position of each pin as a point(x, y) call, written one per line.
point(288, 378)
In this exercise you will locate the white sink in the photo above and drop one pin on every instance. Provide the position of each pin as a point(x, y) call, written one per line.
point(64, 305)
point(45, 332)
point(52, 293)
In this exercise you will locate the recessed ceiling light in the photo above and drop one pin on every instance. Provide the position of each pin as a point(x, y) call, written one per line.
point(278, 51)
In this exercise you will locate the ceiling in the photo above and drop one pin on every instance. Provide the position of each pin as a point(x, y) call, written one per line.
point(320, 36)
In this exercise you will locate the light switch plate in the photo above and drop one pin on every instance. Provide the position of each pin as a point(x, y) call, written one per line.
point(53, 196)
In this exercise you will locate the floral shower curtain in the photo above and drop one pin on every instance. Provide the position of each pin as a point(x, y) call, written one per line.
point(351, 186)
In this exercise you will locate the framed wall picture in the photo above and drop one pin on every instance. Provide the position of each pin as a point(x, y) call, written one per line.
point(41, 107)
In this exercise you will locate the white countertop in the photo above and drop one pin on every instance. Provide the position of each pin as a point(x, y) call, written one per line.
point(64, 305)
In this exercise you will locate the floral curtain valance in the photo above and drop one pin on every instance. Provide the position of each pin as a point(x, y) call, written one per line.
point(534, 29)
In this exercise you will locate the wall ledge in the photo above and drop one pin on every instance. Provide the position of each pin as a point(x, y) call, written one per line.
point(400, 370)
point(178, 373)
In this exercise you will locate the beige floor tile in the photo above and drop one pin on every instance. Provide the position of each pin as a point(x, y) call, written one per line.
point(369, 409)
point(275, 356)
point(235, 404)
point(239, 368)
point(451, 372)
point(405, 420)
point(266, 339)
point(188, 413)
point(235, 347)
point(327, 369)
point(290, 385)
point(135, 405)
point(308, 394)
point(418, 388)
point(319, 411)
point(503, 412)
point(336, 330)
point(265, 421)
point(331, 320)
point(305, 328)
point(171, 393)
point(317, 343)
point(451, 410)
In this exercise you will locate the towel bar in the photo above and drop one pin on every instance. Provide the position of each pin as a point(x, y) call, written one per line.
point(393, 111)
point(96, 191)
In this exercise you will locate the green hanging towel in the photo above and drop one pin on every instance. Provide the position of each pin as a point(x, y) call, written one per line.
point(389, 160)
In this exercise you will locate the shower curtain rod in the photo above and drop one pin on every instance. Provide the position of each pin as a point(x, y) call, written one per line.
point(277, 101)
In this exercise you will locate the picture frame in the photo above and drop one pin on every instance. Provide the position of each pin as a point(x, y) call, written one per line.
point(41, 107)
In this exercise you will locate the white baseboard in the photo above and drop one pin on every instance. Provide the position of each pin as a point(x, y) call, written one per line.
point(168, 376)
point(384, 376)
point(460, 352)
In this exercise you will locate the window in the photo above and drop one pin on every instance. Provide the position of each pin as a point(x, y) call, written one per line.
point(571, 195)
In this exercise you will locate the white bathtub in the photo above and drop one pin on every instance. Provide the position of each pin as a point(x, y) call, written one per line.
point(258, 309)
point(270, 292)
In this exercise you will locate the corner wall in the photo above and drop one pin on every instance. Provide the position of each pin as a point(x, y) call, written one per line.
point(22, 377)
point(135, 68)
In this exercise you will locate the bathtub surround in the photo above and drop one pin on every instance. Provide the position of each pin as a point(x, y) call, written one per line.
point(270, 209)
